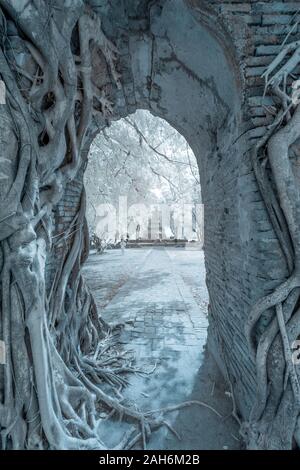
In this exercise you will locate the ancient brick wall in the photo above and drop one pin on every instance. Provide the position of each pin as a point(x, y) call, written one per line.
point(252, 263)
point(243, 257)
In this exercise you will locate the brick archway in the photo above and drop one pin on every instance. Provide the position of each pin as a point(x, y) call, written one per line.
point(193, 65)
point(199, 67)
point(197, 64)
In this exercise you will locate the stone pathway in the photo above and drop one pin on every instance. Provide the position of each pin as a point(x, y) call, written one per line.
point(162, 293)
point(165, 315)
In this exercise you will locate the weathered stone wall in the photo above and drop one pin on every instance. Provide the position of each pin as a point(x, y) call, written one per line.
point(198, 65)
point(62, 218)
point(254, 263)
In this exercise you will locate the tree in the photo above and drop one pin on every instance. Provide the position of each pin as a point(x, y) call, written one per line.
point(55, 359)
point(278, 389)
point(144, 159)
point(51, 55)
point(47, 387)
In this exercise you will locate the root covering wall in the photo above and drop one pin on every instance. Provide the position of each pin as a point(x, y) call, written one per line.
point(198, 65)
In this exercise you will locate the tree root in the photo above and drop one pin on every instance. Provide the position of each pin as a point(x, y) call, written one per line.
point(274, 400)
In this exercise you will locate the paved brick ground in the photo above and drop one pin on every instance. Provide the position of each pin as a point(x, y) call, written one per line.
point(166, 318)
point(162, 293)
